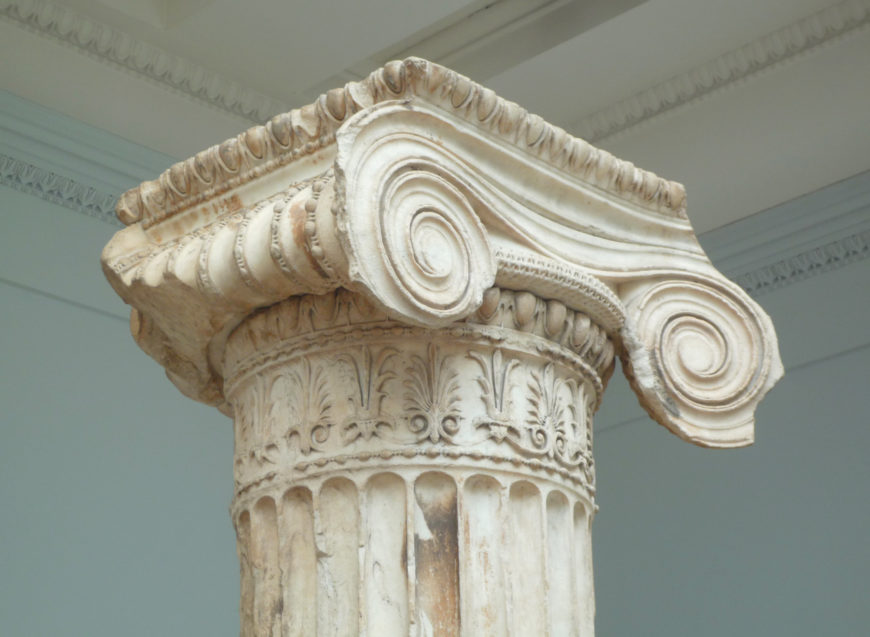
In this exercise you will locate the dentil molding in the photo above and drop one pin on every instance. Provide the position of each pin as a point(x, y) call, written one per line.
point(731, 69)
point(420, 191)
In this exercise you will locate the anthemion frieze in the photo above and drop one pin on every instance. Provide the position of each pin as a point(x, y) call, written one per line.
point(410, 296)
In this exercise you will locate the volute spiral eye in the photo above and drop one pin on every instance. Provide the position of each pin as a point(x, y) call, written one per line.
point(431, 244)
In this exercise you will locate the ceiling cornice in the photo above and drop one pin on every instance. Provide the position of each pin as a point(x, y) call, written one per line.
point(142, 59)
point(825, 258)
point(819, 232)
point(58, 159)
point(149, 62)
point(775, 49)
point(69, 193)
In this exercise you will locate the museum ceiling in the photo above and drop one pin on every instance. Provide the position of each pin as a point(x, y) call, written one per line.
point(748, 103)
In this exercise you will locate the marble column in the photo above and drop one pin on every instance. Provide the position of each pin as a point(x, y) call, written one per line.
point(409, 296)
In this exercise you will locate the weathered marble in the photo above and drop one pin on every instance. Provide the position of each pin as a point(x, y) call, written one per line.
point(409, 295)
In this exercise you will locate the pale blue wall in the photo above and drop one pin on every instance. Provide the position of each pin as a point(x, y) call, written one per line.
point(114, 488)
point(770, 540)
point(774, 539)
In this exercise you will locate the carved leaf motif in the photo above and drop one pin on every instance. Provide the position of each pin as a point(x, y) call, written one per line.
point(569, 447)
point(496, 385)
point(267, 454)
point(310, 411)
point(589, 466)
point(259, 415)
point(280, 392)
point(547, 422)
point(247, 412)
point(432, 397)
point(340, 312)
point(581, 410)
point(371, 373)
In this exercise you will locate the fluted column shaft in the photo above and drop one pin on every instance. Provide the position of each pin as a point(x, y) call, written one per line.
point(395, 480)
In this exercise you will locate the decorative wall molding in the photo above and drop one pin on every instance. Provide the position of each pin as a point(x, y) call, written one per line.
point(830, 256)
point(61, 144)
point(59, 159)
point(150, 62)
point(119, 49)
point(731, 69)
point(819, 232)
point(486, 38)
point(52, 187)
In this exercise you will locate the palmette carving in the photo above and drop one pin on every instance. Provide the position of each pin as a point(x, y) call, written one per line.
point(432, 396)
point(252, 426)
point(547, 418)
point(372, 374)
point(483, 389)
point(496, 384)
point(557, 420)
point(310, 407)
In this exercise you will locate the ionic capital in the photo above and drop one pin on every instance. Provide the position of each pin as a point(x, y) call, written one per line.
point(420, 190)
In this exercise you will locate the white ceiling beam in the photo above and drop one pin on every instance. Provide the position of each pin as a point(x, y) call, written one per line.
point(487, 37)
